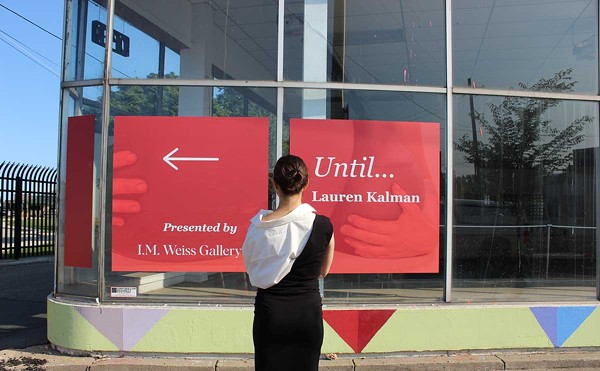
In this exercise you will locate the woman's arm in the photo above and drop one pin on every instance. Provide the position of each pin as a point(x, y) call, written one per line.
point(328, 258)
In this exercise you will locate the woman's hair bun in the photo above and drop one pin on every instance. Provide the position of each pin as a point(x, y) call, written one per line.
point(290, 174)
point(295, 175)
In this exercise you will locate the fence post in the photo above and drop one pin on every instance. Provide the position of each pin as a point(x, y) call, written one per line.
point(18, 214)
point(548, 250)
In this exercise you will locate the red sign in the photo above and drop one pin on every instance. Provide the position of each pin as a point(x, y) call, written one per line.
point(379, 182)
point(184, 190)
point(79, 185)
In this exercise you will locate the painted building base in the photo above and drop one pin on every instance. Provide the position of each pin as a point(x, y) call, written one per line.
point(73, 325)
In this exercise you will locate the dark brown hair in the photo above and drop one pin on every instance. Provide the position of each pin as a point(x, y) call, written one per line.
point(290, 174)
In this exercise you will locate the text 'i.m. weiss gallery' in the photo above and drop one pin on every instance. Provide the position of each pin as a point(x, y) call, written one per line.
point(453, 144)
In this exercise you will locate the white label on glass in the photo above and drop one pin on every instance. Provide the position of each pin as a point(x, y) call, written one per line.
point(123, 292)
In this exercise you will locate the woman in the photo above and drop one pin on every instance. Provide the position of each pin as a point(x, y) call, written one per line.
point(285, 252)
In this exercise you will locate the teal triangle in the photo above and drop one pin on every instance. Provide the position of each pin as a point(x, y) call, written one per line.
point(568, 321)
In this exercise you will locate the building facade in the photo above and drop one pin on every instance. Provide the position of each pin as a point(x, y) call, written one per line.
point(507, 92)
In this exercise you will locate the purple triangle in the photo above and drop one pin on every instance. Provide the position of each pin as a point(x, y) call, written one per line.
point(547, 318)
point(137, 323)
point(109, 321)
point(124, 327)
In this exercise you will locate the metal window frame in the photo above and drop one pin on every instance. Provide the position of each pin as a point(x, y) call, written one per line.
point(526, 94)
point(110, 13)
point(59, 144)
point(66, 86)
point(107, 82)
point(280, 91)
point(597, 177)
point(449, 157)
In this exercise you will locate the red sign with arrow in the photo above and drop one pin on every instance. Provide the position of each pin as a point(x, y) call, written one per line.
point(184, 190)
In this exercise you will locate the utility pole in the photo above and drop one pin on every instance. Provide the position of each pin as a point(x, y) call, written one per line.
point(476, 160)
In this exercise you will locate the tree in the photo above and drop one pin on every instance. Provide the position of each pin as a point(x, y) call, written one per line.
point(523, 158)
point(243, 102)
point(522, 144)
point(146, 100)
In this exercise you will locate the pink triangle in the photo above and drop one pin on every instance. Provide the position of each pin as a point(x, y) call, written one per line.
point(124, 327)
point(357, 327)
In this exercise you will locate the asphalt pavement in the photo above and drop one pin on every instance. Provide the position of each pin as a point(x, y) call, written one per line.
point(24, 286)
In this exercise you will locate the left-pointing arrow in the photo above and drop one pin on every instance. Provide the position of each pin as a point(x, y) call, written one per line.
point(169, 160)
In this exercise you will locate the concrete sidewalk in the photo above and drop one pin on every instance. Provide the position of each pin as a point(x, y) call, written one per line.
point(45, 358)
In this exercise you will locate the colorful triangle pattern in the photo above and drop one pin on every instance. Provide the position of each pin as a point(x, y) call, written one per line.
point(124, 327)
point(357, 327)
point(559, 323)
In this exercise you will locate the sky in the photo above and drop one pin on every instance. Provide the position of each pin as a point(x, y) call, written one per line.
point(30, 84)
point(29, 93)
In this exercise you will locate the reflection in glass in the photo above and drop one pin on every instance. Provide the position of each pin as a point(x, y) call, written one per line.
point(384, 41)
point(524, 196)
point(384, 106)
point(141, 52)
point(221, 39)
point(205, 287)
point(77, 280)
point(83, 58)
point(245, 102)
point(512, 44)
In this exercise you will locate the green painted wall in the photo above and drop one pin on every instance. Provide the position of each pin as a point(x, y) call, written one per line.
point(68, 329)
point(229, 330)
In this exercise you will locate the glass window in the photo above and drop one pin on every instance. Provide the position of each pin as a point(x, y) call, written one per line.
point(375, 42)
point(221, 39)
point(373, 106)
point(77, 263)
point(171, 64)
point(84, 47)
point(514, 44)
point(138, 52)
point(524, 207)
point(165, 286)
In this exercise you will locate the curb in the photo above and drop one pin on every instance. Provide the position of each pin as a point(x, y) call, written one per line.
point(45, 358)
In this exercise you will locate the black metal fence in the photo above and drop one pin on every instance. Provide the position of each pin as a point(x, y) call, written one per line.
point(27, 210)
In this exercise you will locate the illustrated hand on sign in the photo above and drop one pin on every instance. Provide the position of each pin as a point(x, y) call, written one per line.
point(125, 186)
point(411, 234)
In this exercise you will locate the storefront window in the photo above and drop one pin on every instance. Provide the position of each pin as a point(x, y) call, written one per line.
point(84, 47)
point(196, 40)
point(374, 266)
point(136, 209)
point(514, 44)
point(172, 63)
point(524, 179)
point(78, 223)
point(524, 207)
point(378, 42)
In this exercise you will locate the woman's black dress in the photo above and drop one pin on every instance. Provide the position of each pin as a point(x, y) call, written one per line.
point(288, 319)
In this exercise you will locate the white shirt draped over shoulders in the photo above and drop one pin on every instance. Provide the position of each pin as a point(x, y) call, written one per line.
point(272, 246)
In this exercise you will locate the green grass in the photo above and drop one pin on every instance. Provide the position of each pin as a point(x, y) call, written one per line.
point(39, 251)
point(33, 225)
point(36, 223)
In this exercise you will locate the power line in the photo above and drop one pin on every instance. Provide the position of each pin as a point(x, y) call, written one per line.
point(50, 33)
point(29, 48)
point(26, 50)
point(32, 22)
point(37, 61)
